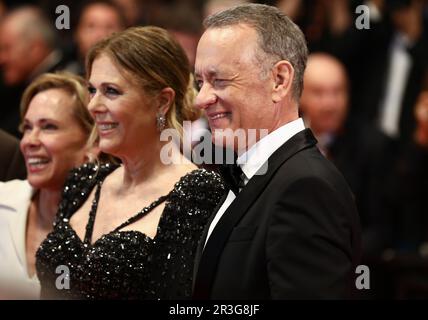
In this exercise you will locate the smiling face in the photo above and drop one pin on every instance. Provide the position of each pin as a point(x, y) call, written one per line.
point(125, 115)
point(233, 92)
point(53, 142)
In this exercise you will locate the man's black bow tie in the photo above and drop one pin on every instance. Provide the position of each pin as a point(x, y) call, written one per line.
point(233, 176)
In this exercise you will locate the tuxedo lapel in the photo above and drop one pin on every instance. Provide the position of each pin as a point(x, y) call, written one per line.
point(209, 257)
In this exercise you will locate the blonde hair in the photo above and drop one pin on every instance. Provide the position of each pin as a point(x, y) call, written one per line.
point(72, 84)
point(156, 61)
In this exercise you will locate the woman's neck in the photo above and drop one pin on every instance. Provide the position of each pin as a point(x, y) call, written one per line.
point(141, 165)
point(147, 165)
point(46, 202)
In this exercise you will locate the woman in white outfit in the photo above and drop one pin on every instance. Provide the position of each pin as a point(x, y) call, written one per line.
point(55, 125)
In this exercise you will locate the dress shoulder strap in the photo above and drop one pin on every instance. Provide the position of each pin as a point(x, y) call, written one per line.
point(143, 212)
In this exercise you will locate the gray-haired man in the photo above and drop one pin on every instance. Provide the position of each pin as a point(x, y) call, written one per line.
point(292, 232)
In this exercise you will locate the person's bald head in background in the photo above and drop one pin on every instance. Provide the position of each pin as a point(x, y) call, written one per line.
point(325, 96)
point(26, 40)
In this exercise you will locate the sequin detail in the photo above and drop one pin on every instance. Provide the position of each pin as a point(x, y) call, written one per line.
point(129, 264)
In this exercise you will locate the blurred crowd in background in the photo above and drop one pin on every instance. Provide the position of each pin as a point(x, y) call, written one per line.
point(365, 97)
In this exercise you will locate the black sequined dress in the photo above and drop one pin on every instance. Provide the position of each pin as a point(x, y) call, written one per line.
point(127, 264)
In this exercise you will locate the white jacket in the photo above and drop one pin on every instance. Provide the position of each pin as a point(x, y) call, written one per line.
point(15, 197)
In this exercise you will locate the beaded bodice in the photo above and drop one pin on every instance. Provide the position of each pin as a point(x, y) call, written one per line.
point(127, 264)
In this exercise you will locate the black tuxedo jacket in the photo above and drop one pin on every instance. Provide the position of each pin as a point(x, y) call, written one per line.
point(12, 165)
point(291, 233)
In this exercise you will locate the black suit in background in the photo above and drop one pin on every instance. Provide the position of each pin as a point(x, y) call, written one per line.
point(10, 110)
point(408, 194)
point(371, 88)
point(367, 56)
point(12, 164)
point(291, 233)
point(364, 155)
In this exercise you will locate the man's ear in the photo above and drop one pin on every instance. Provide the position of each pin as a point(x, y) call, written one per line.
point(283, 75)
point(165, 98)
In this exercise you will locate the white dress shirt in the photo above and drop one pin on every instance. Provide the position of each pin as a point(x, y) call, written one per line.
point(255, 161)
point(400, 63)
point(15, 198)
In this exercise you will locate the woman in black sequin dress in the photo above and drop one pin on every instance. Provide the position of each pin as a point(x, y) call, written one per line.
point(130, 231)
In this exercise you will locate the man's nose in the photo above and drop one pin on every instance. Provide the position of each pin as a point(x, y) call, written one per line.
point(206, 97)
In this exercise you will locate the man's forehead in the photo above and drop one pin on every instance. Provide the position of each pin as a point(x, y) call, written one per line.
point(223, 48)
point(229, 33)
point(213, 70)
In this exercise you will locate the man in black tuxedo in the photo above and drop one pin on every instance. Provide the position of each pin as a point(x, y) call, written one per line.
point(290, 228)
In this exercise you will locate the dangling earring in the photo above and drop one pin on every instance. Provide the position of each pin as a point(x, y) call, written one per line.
point(160, 121)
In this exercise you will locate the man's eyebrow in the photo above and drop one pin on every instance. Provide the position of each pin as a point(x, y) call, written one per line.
point(209, 73)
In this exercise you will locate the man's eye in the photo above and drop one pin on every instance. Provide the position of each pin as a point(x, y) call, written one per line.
point(219, 82)
point(199, 84)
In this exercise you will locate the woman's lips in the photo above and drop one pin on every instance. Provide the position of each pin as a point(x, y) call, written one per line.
point(36, 164)
point(106, 127)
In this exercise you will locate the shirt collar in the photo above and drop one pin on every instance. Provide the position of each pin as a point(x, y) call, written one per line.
point(256, 157)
